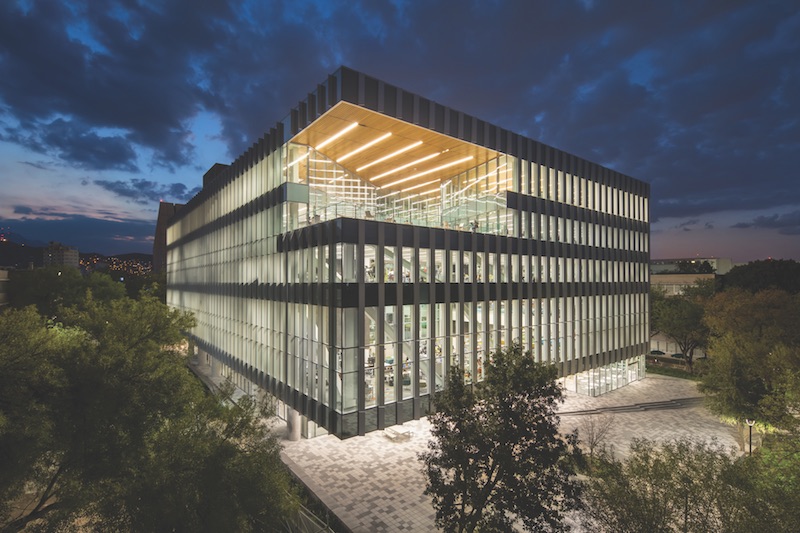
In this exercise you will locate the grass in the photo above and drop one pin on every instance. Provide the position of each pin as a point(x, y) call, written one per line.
point(669, 369)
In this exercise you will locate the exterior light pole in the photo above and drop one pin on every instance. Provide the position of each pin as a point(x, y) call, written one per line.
point(750, 423)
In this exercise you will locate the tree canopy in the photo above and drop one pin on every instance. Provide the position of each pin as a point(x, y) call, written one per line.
point(496, 454)
point(680, 318)
point(782, 274)
point(103, 425)
point(754, 371)
point(681, 485)
point(57, 287)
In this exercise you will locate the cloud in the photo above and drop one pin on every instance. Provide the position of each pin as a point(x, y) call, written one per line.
point(22, 210)
point(695, 101)
point(78, 144)
point(786, 224)
point(690, 222)
point(144, 192)
point(39, 166)
point(88, 234)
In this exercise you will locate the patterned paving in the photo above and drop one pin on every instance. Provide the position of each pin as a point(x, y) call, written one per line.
point(375, 484)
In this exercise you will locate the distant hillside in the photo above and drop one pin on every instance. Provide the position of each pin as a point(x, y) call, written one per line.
point(135, 257)
point(20, 256)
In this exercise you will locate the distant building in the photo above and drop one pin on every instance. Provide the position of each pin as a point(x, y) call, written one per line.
point(375, 240)
point(56, 253)
point(166, 211)
point(3, 287)
point(674, 284)
point(691, 265)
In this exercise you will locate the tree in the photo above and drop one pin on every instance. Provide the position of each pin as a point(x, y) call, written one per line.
point(776, 471)
point(153, 283)
point(46, 288)
point(678, 486)
point(657, 295)
point(27, 348)
point(593, 431)
point(681, 319)
point(496, 453)
point(57, 287)
point(756, 362)
point(124, 437)
point(783, 274)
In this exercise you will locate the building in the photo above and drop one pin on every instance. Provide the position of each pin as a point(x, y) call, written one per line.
point(56, 253)
point(374, 239)
point(692, 265)
point(3, 287)
point(675, 284)
point(166, 211)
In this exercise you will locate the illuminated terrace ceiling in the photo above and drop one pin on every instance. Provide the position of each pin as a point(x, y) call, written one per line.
point(389, 153)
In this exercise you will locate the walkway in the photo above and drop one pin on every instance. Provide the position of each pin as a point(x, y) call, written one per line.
point(374, 484)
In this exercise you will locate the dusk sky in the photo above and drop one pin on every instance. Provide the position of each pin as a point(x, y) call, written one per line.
point(107, 107)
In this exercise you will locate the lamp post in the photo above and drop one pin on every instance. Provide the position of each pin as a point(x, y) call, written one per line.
point(750, 423)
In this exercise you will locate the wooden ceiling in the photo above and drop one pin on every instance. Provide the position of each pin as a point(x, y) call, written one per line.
point(421, 166)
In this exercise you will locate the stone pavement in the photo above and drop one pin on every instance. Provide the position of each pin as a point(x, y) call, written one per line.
point(375, 484)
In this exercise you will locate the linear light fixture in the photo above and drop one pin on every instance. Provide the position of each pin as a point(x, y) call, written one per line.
point(330, 170)
point(401, 167)
point(335, 136)
point(423, 193)
point(393, 154)
point(420, 185)
point(293, 163)
point(368, 145)
point(429, 171)
point(476, 180)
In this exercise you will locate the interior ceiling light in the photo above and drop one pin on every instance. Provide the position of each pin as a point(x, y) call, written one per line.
point(398, 169)
point(293, 163)
point(413, 187)
point(420, 185)
point(368, 145)
point(424, 193)
point(429, 171)
point(335, 136)
point(393, 154)
point(476, 180)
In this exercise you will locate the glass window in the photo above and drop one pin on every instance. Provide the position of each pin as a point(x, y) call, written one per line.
point(389, 372)
point(389, 274)
point(370, 376)
point(454, 267)
point(440, 266)
point(409, 268)
point(424, 365)
point(424, 265)
point(370, 263)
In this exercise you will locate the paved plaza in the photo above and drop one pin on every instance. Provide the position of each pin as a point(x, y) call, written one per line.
point(375, 484)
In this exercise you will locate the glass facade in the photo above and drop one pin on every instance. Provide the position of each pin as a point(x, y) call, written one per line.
point(362, 250)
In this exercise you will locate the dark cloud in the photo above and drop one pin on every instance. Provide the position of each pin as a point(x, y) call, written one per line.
point(36, 165)
point(697, 100)
point(691, 222)
point(146, 192)
point(22, 210)
point(79, 145)
point(88, 234)
point(786, 224)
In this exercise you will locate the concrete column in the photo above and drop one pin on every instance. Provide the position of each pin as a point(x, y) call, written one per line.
point(293, 420)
